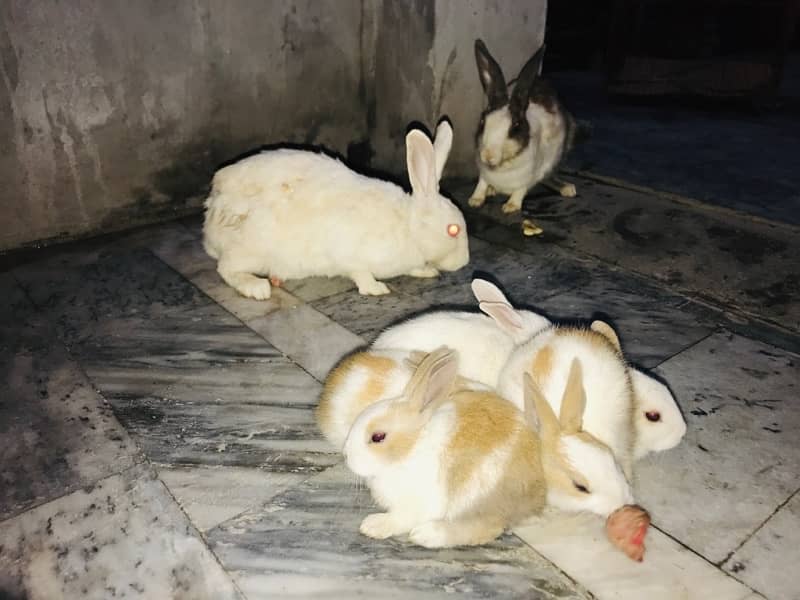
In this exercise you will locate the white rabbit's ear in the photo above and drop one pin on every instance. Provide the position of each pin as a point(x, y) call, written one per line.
point(607, 332)
point(506, 317)
point(573, 403)
point(433, 379)
point(421, 163)
point(485, 291)
point(441, 146)
point(538, 412)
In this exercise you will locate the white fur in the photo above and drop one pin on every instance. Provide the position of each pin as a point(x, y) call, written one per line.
point(607, 483)
point(414, 486)
point(293, 214)
point(609, 397)
point(652, 395)
point(337, 428)
point(518, 173)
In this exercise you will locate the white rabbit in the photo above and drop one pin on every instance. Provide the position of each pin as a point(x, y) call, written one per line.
point(293, 214)
point(521, 138)
point(455, 466)
point(484, 345)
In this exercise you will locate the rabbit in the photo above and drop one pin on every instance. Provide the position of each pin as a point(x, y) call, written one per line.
point(292, 214)
point(521, 137)
point(455, 466)
point(610, 405)
point(485, 342)
point(483, 347)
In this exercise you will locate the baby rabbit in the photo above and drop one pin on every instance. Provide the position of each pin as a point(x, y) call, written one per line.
point(521, 138)
point(293, 214)
point(484, 343)
point(455, 466)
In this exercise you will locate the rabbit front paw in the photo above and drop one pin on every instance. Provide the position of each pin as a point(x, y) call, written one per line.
point(381, 526)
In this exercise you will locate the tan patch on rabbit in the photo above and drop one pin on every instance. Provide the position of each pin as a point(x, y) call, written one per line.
point(401, 431)
point(542, 365)
point(377, 368)
point(487, 423)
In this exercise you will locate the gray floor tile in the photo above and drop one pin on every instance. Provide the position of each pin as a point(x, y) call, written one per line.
point(738, 461)
point(56, 432)
point(305, 543)
point(123, 537)
point(768, 561)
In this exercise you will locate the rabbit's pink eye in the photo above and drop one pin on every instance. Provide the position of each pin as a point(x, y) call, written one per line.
point(653, 416)
point(453, 229)
point(378, 437)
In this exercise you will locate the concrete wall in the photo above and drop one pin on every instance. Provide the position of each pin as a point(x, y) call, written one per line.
point(113, 113)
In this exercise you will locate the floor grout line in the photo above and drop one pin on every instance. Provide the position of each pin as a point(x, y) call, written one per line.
point(757, 529)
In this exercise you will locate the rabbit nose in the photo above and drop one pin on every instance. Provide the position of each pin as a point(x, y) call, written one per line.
point(489, 157)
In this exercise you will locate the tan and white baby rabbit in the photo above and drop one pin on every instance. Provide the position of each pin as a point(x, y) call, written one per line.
point(601, 488)
point(292, 214)
point(521, 137)
point(485, 342)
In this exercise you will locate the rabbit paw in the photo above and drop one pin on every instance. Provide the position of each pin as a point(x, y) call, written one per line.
point(433, 534)
point(380, 526)
point(368, 286)
point(258, 289)
point(568, 190)
point(510, 207)
point(424, 272)
point(476, 201)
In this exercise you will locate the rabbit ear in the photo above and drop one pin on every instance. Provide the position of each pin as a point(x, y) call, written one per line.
point(527, 76)
point(414, 359)
point(607, 332)
point(421, 164)
point(538, 412)
point(506, 317)
point(573, 402)
point(494, 84)
point(485, 291)
point(441, 146)
point(433, 379)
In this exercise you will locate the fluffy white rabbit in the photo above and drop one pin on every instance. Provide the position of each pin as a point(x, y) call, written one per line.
point(455, 466)
point(291, 214)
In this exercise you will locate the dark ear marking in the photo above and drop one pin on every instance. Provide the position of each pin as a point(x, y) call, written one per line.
point(491, 75)
point(528, 74)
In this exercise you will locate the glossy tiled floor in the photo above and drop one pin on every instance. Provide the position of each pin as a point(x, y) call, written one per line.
point(157, 437)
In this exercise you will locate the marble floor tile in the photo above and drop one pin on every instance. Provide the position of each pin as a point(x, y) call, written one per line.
point(366, 316)
point(56, 432)
point(187, 256)
point(738, 461)
point(578, 545)
point(308, 337)
point(768, 560)
point(111, 283)
point(305, 543)
point(197, 387)
point(652, 323)
point(314, 288)
point(211, 495)
point(123, 537)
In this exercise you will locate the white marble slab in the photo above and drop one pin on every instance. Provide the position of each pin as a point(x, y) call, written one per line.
point(308, 337)
point(738, 461)
point(211, 495)
point(123, 537)
point(304, 543)
point(578, 545)
point(768, 561)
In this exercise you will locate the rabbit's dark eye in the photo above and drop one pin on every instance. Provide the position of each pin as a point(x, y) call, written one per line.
point(378, 437)
point(581, 488)
point(653, 416)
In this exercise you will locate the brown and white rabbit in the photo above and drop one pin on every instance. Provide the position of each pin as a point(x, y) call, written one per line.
point(522, 136)
point(292, 214)
point(456, 465)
